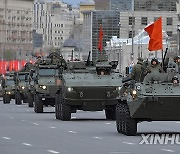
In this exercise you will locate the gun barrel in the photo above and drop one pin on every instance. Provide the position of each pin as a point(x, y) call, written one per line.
point(126, 79)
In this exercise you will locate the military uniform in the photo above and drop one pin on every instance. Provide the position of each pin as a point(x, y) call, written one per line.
point(136, 73)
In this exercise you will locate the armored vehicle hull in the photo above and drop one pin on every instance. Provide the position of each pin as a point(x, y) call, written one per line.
point(147, 102)
point(87, 91)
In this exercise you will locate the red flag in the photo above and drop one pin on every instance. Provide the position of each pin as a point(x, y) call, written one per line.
point(155, 33)
point(100, 43)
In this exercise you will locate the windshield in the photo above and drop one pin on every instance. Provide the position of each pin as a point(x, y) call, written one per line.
point(9, 82)
point(21, 77)
point(48, 72)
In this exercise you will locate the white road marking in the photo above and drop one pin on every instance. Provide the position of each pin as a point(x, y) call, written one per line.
point(52, 127)
point(118, 152)
point(11, 117)
point(23, 120)
point(73, 117)
point(108, 123)
point(52, 151)
point(96, 137)
point(7, 138)
point(167, 150)
point(72, 132)
point(27, 144)
point(27, 110)
point(178, 122)
point(128, 143)
point(157, 131)
point(36, 124)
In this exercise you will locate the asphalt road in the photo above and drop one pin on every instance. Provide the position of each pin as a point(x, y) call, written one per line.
point(24, 132)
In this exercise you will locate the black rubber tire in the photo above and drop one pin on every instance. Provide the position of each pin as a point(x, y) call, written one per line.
point(38, 104)
point(30, 100)
point(18, 99)
point(65, 109)
point(110, 114)
point(6, 99)
point(125, 124)
point(119, 119)
point(57, 107)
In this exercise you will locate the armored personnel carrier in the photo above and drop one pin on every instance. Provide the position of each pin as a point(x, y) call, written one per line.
point(21, 87)
point(45, 86)
point(155, 99)
point(8, 88)
point(89, 88)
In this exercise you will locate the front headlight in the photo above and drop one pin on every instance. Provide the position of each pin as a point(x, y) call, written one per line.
point(69, 89)
point(118, 88)
point(138, 87)
point(43, 87)
point(134, 92)
point(22, 87)
point(8, 92)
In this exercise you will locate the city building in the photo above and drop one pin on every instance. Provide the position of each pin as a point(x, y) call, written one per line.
point(121, 5)
point(16, 23)
point(109, 20)
point(86, 6)
point(155, 5)
point(132, 22)
point(54, 20)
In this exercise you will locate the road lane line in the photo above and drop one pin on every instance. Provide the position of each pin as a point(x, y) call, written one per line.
point(119, 152)
point(11, 117)
point(7, 138)
point(73, 117)
point(128, 143)
point(72, 132)
point(36, 124)
point(23, 120)
point(178, 122)
point(27, 144)
point(52, 127)
point(96, 137)
point(167, 150)
point(52, 151)
point(107, 123)
point(27, 110)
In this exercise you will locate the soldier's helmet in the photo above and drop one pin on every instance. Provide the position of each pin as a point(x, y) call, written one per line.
point(140, 60)
point(154, 59)
point(61, 56)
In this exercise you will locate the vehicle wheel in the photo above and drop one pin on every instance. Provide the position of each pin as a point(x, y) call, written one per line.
point(119, 119)
point(65, 109)
point(110, 114)
point(124, 122)
point(30, 100)
point(57, 107)
point(18, 99)
point(38, 104)
point(6, 99)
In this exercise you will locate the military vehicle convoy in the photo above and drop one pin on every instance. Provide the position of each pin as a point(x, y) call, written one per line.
point(8, 88)
point(155, 99)
point(21, 87)
point(88, 88)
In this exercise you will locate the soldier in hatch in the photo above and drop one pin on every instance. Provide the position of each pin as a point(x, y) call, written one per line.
point(136, 73)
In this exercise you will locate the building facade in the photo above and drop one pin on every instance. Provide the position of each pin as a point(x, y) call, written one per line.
point(54, 20)
point(132, 22)
point(91, 24)
point(16, 23)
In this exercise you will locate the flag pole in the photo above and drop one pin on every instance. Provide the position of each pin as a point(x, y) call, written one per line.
point(162, 62)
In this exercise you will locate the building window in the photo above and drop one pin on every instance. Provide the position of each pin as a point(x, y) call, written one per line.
point(130, 34)
point(169, 21)
point(144, 21)
point(61, 25)
point(131, 20)
point(169, 33)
